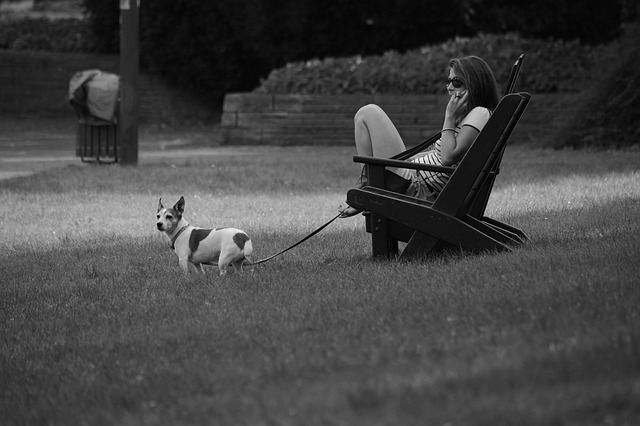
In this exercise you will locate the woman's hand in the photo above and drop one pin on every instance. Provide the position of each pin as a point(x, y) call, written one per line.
point(457, 107)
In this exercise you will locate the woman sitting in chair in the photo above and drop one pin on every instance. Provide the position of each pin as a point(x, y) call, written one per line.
point(473, 95)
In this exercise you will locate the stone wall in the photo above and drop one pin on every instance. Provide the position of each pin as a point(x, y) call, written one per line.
point(37, 83)
point(309, 119)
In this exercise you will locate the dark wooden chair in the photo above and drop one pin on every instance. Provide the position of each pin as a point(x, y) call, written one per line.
point(480, 204)
point(452, 219)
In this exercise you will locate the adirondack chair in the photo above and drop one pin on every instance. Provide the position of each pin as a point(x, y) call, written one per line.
point(480, 204)
point(428, 226)
point(478, 208)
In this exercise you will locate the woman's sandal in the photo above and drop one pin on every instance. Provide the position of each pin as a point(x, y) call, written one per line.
point(348, 211)
point(362, 181)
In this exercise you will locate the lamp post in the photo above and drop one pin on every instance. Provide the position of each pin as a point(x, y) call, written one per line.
point(129, 70)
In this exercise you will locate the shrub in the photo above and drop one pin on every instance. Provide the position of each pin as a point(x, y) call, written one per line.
point(552, 66)
point(60, 35)
point(608, 114)
point(104, 20)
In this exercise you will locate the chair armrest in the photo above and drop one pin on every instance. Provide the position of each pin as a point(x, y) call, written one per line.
point(387, 162)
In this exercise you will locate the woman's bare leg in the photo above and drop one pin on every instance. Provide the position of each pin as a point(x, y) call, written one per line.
point(375, 133)
point(375, 136)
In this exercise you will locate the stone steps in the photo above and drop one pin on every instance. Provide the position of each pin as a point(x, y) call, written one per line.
point(310, 119)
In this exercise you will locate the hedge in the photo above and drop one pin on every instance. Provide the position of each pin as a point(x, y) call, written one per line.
point(61, 35)
point(551, 66)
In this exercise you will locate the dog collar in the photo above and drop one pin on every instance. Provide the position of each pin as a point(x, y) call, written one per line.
point(175, 237)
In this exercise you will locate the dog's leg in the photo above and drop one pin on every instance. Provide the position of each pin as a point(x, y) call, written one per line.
point(237, 265)
point(184, 264)
point(199, 268)
point(223, 264)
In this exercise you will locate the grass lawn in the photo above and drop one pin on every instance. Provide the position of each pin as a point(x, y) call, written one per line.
point(99, 326)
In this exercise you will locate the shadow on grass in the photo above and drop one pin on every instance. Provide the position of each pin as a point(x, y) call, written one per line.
point(571, 382)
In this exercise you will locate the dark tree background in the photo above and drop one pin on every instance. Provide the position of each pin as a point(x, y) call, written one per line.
point(214, 47)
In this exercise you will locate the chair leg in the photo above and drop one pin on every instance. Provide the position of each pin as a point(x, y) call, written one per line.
point(421, 245)
point(382, 244)
point(503, 226)
point(495, 232)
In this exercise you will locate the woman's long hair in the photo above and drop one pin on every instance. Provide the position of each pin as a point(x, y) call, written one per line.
point(479, 79)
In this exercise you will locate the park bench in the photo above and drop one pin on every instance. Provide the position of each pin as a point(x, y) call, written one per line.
point(94, 95)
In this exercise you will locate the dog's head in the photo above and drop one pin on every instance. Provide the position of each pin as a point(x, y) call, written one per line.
point(168, 218)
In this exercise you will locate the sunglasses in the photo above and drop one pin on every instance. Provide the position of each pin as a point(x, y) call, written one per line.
point(455, 82)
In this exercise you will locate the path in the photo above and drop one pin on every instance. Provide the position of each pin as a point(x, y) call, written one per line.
point(32, 144)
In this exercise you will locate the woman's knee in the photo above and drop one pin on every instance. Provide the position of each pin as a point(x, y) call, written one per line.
point(367, 113)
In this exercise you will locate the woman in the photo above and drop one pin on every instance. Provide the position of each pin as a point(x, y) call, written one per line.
point(473, 95)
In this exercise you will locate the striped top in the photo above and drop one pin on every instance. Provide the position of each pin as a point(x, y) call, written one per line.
point(433, 181)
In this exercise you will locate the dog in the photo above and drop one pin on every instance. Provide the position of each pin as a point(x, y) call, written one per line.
point(224, 246)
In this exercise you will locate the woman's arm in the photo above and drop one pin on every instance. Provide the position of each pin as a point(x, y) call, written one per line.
point(453, 145)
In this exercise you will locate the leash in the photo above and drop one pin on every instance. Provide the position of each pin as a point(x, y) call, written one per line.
point(294, 245)
point(266, 259)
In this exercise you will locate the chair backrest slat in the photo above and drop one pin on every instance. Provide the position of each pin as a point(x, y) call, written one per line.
point(480, 204)
point(513, 75)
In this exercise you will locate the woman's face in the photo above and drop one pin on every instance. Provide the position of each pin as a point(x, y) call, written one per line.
point(455, 83)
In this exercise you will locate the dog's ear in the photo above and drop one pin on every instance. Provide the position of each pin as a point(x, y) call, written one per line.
point(160, 206)
point(179, 207)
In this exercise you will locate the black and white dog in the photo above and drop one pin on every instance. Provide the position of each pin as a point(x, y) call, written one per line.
point(221, 246)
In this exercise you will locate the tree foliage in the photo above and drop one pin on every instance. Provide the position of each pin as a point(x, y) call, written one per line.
point(219, 46)
point(608, 114)
point(590, 21)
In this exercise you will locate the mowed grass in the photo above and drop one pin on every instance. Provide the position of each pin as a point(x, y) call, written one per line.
point(99, 326)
